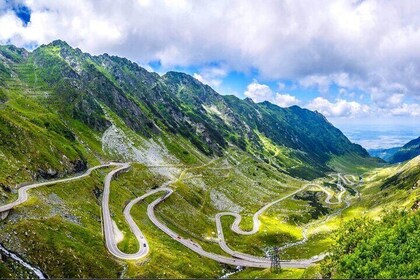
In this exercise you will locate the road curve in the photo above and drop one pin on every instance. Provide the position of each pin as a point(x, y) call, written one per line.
point(108, 223)
point(197, 248)
point(256, 223)
point(23, 191)
point(237, 259)
point(305, 238)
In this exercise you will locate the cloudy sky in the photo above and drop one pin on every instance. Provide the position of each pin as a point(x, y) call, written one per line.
point(357, 62)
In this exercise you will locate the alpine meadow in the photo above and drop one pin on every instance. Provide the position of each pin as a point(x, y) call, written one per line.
point(193, 139)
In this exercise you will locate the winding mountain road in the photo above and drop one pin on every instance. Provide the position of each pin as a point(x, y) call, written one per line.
point(109, 230)
point(256, 222)
point(23, 191)
point(108, 223)
point(197, 248)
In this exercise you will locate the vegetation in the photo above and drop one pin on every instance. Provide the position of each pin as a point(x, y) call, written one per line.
point(68, 90)
point(353, 163)
point(398, 154)
point(62, 110)
point(388, 248)
point(61, 233)
point(406, 152)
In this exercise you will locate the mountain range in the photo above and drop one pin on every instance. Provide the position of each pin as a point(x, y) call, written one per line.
point(111, 171)
point(398, 154)
point(60, 95)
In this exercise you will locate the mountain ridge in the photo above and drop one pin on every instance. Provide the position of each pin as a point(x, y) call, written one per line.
point(80, 85)
point(399, 154)
point(409, 151)
point(66, 111)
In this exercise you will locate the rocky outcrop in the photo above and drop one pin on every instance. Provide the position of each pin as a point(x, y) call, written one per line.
point(79, 165)
point(46, 174)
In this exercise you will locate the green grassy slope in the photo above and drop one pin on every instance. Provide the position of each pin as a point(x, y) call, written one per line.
point(62, 110)
point(75, 85)
point(381, 242)
point(61, 233)
point(406, 152)
point(56, 214)
point(388, 248)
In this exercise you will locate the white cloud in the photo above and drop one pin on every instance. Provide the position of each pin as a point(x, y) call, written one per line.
point(339, 108)
point(395, 99)
point(384, 108)
point(9, 23)
point(405, 109)
point(371, 46)
point(344, 93)
point(281, 86)
point(260, 92)
point(285, 100)
point(323, 82)
point(212, 76)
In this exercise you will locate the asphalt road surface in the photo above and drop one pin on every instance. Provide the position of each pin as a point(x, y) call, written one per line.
point(237, 259)
point(23, 191)
point(256, 222)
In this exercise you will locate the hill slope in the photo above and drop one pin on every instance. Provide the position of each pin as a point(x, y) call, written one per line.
point(398, 154)
point(383, 240)
point(385, 154)
point(68, 97)
point(63, 110)
point(406, 152)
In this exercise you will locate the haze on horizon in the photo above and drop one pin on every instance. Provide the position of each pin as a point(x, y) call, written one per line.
point(356, 62)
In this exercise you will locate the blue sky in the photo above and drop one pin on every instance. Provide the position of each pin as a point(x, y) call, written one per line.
point(356, 62)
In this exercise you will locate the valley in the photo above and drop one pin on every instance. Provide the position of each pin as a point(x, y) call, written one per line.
point(109, 230)
point(108, 170)
point(312, 233)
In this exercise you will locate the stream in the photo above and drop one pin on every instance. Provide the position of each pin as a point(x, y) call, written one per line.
point(35, 270)
point(229, 273)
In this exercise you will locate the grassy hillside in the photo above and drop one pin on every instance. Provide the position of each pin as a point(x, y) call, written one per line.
point(406, 152)
point(71, 88)
point(382, 241)
point(235, 183)
point(388, 248)
point(62, 110)
point(61, 233)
